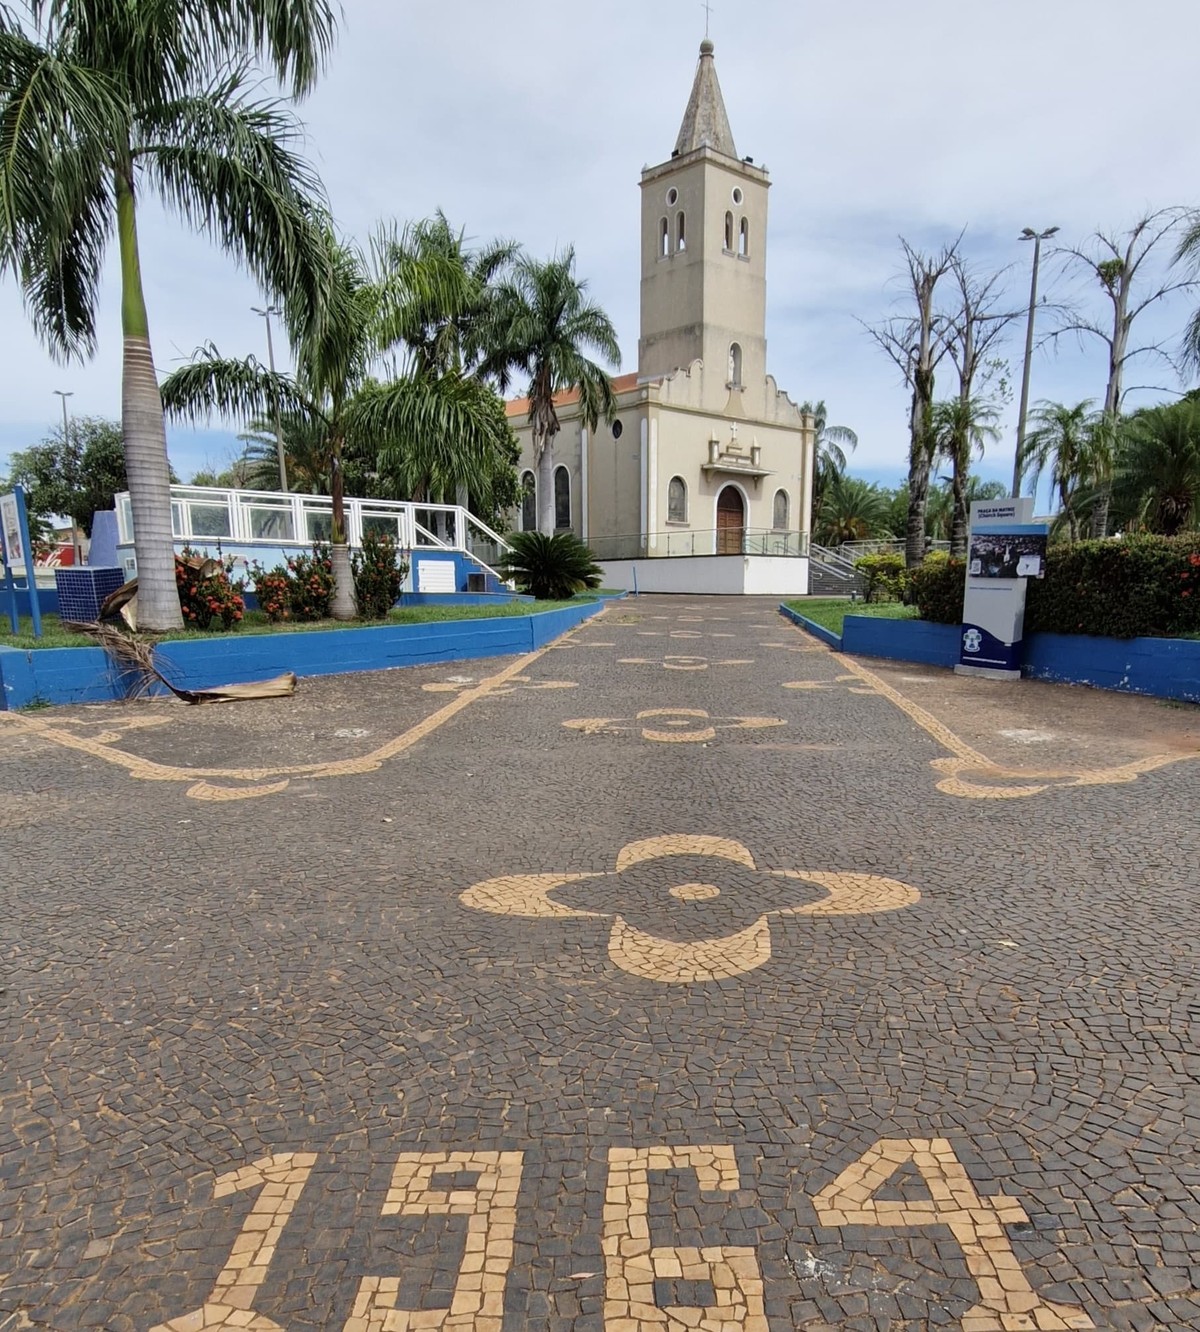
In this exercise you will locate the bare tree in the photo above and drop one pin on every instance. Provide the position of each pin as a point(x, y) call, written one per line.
point(972, 334)
point(1115, 260)
point(916, 343)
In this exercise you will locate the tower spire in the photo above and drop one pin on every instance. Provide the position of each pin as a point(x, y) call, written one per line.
point(705, 122)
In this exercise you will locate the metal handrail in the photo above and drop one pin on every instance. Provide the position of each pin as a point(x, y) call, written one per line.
point(686, 541)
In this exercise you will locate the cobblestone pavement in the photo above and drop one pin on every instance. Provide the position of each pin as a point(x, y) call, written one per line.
point(684, 975)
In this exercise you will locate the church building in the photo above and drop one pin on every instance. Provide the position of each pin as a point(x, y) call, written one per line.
point(703, 481)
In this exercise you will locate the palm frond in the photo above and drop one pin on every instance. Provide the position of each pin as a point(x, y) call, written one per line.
point(213, 385)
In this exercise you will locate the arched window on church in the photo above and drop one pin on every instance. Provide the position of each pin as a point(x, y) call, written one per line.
point(562, 498)
point(744, 239)
point(681, 235)
point(779, 516)
point(677, 500)
point(664, 239)
point(528, 502)
point(729, 232)
point(735, 365)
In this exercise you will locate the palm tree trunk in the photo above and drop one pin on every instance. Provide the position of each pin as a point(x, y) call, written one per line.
point(545, 482)
point(1100, 511)
point(958, 489)
point(143, 433)
point(342, 606)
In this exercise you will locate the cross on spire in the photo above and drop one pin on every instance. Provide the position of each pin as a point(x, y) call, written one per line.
point(708, 9)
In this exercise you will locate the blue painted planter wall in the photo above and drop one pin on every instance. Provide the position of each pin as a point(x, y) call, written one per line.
point(47, 601)
point(1161, 667)
point(85, 675)
point(827, 636)
point(902, 640)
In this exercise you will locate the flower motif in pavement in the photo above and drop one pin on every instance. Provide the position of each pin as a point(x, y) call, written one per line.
point(687, 909)
point(672, 726)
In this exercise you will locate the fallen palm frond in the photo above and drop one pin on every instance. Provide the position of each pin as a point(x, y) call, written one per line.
point(135, 657)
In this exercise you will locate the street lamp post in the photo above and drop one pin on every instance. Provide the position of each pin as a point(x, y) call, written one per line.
point(76, 543)
point(279, 449)
point(1037, 237)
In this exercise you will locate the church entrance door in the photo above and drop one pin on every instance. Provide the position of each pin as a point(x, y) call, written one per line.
point(731, 521)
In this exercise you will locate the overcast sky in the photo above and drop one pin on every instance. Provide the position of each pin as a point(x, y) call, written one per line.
point(532, 120)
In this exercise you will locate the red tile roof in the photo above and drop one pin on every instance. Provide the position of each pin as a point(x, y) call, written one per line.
point(520, 406)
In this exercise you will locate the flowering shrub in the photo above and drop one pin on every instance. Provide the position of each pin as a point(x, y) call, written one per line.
point(300, 590)
point(207, 592)
point(378, 575)
point(885, 574)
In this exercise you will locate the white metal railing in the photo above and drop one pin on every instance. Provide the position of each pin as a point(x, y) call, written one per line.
point(852, 550)
point(680, 541)
point(268, 518)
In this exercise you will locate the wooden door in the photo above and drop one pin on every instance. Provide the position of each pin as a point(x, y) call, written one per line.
point(731, 521)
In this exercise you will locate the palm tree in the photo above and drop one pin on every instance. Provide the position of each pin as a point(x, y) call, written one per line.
point(101, 100)
point(1067, 440)
point(542, 325)
point(1158, 477)
point(962, 427)
point(852, 510)
point(831, 443)
point(442, 428)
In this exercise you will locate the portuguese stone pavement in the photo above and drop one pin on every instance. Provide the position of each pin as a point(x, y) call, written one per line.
point(682, 975)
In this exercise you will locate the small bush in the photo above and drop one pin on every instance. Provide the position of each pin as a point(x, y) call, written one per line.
point(938, 587)
point(301, 590)
point(207, 593)
point(551, 568)
point(378, 575)
point(886, 576)
point(1125, 588)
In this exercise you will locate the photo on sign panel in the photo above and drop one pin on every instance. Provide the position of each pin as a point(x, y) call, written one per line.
point(1007, 555)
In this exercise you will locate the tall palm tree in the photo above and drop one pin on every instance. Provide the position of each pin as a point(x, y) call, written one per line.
point(444, 428)
point(1065, 439)
point(961, 428)
point(102, 100)
point(831, 444)
point(1158, 476)
point(542, 325)
point(852, 510)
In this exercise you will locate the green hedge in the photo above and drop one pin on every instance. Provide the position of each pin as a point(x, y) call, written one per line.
point(885, 576)
point(1131, 587)
point(1125, 588)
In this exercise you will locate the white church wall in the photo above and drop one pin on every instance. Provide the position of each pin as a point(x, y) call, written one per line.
point(715, 575)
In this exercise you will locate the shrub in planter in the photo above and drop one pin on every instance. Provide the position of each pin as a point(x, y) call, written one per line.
point(938, 587)
point(207, 593)
point(378, 575)
point(300, 590)
point(551, 568)
point(886, 576)
point(1123, 588)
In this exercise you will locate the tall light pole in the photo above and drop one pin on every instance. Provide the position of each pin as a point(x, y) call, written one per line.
point(76, 544)
point(279, 449)
point(1037, 237)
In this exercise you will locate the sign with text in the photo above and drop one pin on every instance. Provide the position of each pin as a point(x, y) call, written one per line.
point(1005, 548)
point(10, 531)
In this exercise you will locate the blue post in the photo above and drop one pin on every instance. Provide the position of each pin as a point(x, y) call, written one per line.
point(35, 610)
point(635, 591)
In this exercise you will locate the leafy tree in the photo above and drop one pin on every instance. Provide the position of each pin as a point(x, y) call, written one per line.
point(852, 510)
point(542, 325)
point(1066, 439)
point(916, 343)
point(75, 475)
point(1115, 262)
point(831, 444)
point(102, 100)
point(421, 428)
point(1158, 474)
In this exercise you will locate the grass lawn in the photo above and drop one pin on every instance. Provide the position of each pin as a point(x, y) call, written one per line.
point(54, 635)
point(829, 612)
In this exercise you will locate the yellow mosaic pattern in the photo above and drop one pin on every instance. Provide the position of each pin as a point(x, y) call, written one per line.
point(1007, 1302)
point(666, 961)
point(672, 726)
point(632, 1263)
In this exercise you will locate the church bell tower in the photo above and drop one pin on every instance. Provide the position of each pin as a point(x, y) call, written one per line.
point(704, 248)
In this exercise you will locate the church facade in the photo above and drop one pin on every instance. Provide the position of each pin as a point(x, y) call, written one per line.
point(706, 455)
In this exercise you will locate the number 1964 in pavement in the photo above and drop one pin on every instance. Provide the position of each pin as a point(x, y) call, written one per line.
point(427, 1184)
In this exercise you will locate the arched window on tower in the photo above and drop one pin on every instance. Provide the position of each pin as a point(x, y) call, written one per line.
point(735, 365)
point(562, 498)
point(528, 502)
point(779, 515)
point(744, 239)
point(677, 500)
point(681, 235)
point(729, 232)
point(664, 239)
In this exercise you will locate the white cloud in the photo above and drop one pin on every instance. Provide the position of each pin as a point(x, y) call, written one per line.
point(875, 118)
